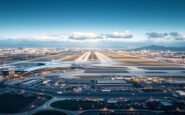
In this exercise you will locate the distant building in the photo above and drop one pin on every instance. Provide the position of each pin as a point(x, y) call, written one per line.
point(112, 85)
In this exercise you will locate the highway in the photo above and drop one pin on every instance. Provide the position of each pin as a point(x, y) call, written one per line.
point(89, 94)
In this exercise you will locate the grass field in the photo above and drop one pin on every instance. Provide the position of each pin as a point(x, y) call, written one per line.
point(71, 57)
point(49, 58)
point(127, 60)
point(63, 57)
point(76, 105)
point(162, 68)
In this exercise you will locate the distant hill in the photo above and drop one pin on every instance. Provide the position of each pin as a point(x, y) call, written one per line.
point(159, 48)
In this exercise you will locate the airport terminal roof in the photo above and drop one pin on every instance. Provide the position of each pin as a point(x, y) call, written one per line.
point(33, 68)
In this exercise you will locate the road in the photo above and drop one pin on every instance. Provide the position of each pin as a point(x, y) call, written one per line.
point(89, 94)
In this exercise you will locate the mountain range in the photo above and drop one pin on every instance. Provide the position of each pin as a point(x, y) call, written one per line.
point(159, 48)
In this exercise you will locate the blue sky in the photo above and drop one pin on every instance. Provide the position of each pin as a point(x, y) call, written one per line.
point(121, 23)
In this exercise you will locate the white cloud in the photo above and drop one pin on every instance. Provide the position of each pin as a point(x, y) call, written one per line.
point(125, 34)
point(85, 37)
point(156, 35)
point(47, 37)
point(183, 36)
point(72, 37)
point(166, 36)
point(82, 36)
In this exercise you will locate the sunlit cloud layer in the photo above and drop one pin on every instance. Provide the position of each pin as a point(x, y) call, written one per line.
point(81, 37)
point(125, 34)
point(75, 36)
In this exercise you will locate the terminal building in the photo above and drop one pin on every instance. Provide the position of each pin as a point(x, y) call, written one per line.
point(111, 85)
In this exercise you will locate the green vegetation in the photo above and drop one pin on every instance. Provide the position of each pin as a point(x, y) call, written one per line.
point(76, 105)
point(14, 103)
